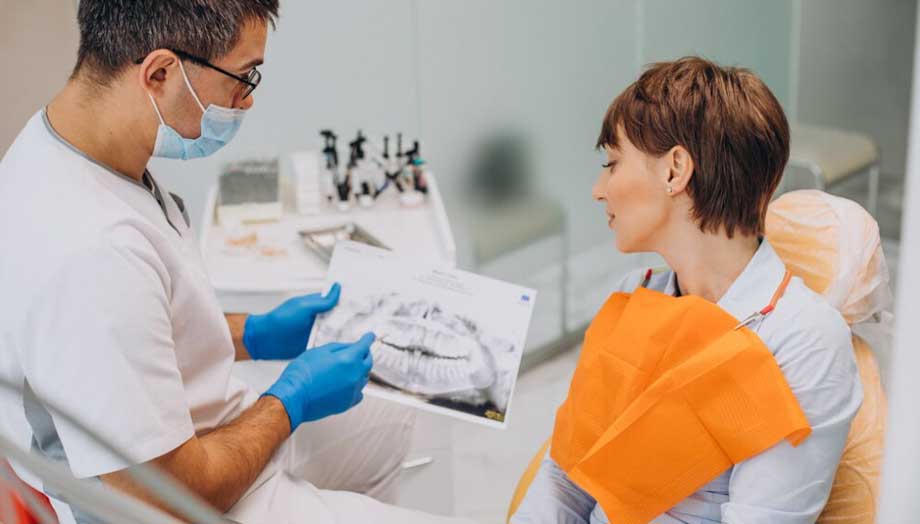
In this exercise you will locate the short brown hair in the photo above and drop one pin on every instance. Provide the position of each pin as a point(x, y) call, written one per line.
point(729, 121)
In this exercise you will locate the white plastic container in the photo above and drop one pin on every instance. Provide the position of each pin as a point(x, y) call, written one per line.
point(308, 192)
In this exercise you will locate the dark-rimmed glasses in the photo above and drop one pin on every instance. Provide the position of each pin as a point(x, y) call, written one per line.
point(250, 80)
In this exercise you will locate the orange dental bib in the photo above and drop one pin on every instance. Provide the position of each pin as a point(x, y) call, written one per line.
point(668, 394)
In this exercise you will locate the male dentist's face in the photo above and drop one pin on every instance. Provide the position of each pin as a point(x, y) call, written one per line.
point(213, 87)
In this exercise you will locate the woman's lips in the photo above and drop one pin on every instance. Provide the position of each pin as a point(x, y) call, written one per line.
point(610, 217)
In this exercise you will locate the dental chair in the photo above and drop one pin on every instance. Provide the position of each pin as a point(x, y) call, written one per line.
point(834, 246)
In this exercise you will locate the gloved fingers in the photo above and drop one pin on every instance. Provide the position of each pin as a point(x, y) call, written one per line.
point(354, 355)
point(295, 304)
point(369, 360)
point(359, 348)
point(366, 369)
point(249, 335)
point(366, 340)
point(331, 347)
point(321, 303)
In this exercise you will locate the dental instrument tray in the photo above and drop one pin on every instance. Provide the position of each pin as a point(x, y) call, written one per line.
point(322, 241)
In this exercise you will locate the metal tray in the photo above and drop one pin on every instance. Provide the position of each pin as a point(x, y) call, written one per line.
point(322, 241)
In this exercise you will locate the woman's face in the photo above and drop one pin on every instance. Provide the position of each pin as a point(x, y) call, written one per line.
point(633, 187)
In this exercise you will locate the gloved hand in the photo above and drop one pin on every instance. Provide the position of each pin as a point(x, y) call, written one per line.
point(324, 381)
point(282, 333)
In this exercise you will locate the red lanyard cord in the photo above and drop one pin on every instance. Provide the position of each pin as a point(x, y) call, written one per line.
point(780, 291)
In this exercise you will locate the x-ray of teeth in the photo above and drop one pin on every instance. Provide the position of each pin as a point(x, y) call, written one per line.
point(446, 340)
point(425, 350)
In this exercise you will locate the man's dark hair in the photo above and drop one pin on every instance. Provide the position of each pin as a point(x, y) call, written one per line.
point(115, 33)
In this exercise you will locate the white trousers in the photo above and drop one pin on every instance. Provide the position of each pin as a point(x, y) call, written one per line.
point(340, 470)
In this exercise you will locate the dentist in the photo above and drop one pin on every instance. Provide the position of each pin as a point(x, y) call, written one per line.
point(107, 310)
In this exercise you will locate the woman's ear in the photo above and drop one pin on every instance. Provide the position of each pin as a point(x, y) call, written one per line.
point(680, 170)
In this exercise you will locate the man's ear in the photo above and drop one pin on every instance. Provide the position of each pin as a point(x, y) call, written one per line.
point(680, 169)
point(156, 68)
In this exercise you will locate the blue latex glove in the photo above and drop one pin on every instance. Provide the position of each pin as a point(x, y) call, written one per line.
point(282, 333)
point(324, 381)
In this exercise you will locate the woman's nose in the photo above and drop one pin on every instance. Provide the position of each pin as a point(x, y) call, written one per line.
point(597, 191)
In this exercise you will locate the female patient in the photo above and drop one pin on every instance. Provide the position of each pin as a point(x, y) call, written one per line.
point(718, 390)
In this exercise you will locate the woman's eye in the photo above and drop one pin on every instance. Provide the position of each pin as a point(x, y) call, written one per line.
point(609, 165)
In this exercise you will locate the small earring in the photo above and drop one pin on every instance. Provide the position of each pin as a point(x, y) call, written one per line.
point(670, 190)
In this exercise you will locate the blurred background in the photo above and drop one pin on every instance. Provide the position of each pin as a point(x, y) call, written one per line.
point(507, 99)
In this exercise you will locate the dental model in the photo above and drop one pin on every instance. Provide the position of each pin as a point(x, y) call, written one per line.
point(424, 350)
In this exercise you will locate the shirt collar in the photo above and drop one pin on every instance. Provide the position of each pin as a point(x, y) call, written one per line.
point(754, 287)
point(147, 182)
point(74, 148)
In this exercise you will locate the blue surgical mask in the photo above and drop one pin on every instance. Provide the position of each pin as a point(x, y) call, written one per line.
point(218, 126)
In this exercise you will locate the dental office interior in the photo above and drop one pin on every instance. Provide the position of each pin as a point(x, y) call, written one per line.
point(499, 104)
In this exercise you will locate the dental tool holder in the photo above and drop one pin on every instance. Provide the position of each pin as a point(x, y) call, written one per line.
point(370, 172)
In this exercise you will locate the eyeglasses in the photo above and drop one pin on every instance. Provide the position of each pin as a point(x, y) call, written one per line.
point(250, 80)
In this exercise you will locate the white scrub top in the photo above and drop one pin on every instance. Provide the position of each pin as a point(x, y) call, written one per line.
point(105, 311)
point(783, 485)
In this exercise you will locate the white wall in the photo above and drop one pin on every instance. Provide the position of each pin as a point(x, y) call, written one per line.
point(540, 70)
point(756, 35)
point(855, 70)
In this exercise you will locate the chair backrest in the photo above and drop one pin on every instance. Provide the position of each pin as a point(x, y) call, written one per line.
point(833, 244)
